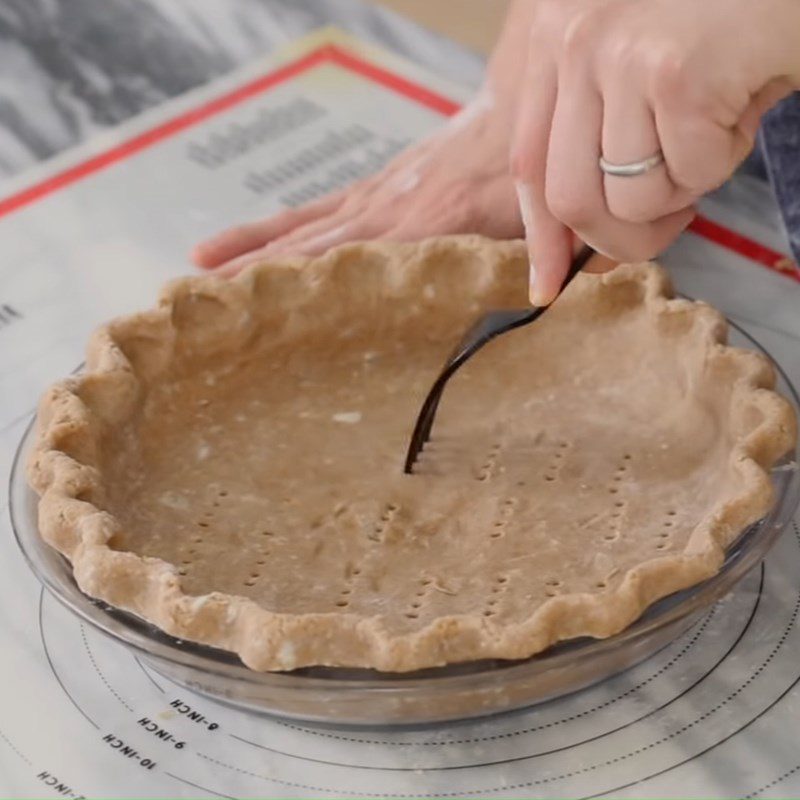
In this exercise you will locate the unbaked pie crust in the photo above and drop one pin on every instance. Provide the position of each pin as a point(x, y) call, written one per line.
point(228, 466)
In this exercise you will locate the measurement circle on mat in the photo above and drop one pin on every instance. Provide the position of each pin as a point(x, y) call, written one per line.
point(714, 681)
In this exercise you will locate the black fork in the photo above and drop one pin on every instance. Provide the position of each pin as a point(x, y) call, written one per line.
point(490, 325)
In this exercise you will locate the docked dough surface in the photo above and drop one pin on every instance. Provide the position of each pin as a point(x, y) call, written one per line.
point(248, 469)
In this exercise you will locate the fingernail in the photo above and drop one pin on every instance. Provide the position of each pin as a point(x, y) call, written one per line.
point(539, 299)
point(525, 209)
point(525, 199)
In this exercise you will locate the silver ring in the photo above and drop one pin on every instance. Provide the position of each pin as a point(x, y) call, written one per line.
point(634, 168)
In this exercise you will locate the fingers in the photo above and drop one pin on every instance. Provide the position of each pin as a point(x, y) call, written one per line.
point(701, 140)
point(346, 225)
point(629, 135)
point(548, 240)
point(358, 229)
point(239, 241)
point(319, 237)
point(325, 232)
point(574, 191)
point(315, 236)
point(244, 238)
point(773, 92)
point(574, 182)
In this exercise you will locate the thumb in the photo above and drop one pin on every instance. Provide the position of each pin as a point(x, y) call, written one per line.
point(549, 244)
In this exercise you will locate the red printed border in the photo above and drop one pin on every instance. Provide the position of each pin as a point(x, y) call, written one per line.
point(327, 54)
point(332, 54)
point(755, 251)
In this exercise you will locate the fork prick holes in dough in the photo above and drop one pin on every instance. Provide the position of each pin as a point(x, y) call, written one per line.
point(387, 515)
point(412, 615)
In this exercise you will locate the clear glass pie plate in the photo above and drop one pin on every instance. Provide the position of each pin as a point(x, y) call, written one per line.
point(364, 697)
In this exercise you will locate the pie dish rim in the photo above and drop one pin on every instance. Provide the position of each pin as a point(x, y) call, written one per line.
point(80, 530)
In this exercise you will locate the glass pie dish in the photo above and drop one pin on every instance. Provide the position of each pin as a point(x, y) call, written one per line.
point(366, 697)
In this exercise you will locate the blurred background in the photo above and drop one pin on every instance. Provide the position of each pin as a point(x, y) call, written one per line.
point(69, 68)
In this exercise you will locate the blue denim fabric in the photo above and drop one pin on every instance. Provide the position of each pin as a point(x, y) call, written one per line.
point(779, 143)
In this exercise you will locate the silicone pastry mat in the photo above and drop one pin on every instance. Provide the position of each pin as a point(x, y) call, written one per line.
point(711, 715)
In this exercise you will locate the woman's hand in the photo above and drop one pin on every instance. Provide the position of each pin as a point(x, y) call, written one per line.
point(626, 79)
point(456, 181)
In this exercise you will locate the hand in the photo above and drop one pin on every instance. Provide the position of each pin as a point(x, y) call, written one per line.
point(456, 181)
point(625, 79)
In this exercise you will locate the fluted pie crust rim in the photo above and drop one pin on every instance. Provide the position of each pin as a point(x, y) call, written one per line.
point(65, 471)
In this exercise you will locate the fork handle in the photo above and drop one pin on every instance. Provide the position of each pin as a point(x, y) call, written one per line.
point(578, 263)
point(484, 330)
point(487, 328)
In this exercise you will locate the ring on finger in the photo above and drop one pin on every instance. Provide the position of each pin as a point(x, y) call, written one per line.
point(633, 168)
